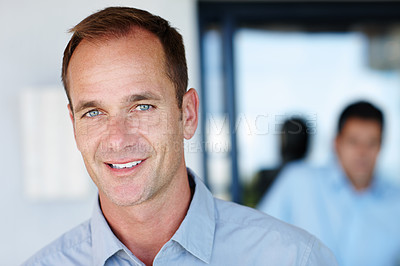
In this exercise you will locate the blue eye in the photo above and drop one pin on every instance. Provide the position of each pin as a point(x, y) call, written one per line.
point(93, 113)
point(143, 107)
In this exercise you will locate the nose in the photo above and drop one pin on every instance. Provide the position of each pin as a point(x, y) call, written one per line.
point(119, 134)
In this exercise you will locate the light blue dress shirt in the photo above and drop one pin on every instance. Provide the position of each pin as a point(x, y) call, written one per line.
point(361, 228)
point(214, 232)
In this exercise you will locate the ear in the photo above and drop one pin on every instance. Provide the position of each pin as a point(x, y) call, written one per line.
point(71, 116)
point(190, 111)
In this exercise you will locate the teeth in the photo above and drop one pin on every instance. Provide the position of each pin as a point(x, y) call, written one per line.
point(125, 165)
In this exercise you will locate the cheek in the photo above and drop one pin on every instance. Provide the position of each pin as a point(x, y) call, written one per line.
point(147, 123)
point(167, 137)
point(86, 138)
point(348, 155)
point(373, 154)
point(83, 143)
point(80, 137)
point(165, 124)
point(342, 150)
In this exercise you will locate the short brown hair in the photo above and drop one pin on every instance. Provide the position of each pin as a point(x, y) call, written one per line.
point(117, 22)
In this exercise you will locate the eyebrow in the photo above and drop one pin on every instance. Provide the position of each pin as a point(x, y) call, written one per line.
point(129, 99)
point(142, 96)
point(84, 105)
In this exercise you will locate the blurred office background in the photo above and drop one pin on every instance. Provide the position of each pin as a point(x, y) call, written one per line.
point(267, 61)
point(255, 64)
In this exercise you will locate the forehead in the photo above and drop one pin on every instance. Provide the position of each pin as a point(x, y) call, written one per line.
point(139, 45)
point(359, 127)
point(136, 58)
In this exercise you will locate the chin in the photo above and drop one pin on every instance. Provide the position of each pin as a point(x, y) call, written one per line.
point(125, 196)
point(363, 180)
point(125, 201)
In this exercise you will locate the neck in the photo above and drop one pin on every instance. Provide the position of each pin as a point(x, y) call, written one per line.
point(146, 227)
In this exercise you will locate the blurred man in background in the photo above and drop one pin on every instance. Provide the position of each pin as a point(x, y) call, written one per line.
point(352, 210)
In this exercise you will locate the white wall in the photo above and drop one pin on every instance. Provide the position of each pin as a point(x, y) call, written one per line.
point(32, 39)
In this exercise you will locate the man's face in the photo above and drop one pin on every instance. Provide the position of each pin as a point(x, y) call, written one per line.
point(357, 147)
point(127, 123)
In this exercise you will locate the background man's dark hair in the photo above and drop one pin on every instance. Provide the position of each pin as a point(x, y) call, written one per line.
point(294, 139)
point(361, 110)
point(118, 22)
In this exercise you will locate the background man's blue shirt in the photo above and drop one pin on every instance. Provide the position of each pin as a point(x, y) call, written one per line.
point(213, 232)
point(361, 228)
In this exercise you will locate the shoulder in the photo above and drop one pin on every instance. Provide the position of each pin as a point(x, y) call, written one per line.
point(388, 187)
point(293, 176)
point(387, 197)
point(66, 249)
point(235, 215)
point(302, 170)
point(267, 237)
point(299, 178)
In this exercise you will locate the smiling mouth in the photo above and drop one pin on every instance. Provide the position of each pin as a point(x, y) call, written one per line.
point(124, 165)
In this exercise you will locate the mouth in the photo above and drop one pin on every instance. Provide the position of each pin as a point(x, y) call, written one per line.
point(127, 165)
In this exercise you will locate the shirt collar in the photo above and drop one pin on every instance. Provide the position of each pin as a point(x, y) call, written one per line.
point(196, 232)
point(104, 242)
